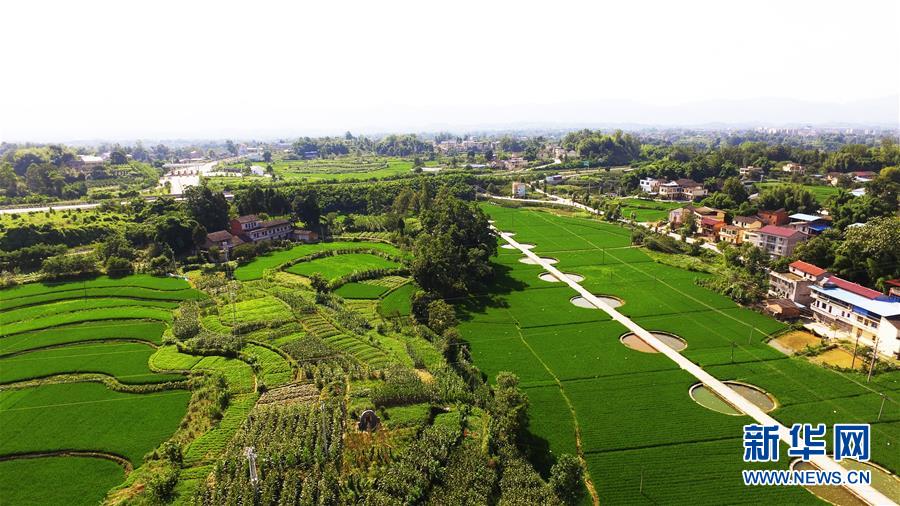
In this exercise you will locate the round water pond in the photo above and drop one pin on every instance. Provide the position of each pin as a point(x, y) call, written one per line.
point(710, 400)
point(582, 302)
point(529, 261)
point(882, 481)
point(546, 276)
point(634, 342)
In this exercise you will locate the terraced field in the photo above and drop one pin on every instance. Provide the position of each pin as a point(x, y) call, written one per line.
point(334, 267)
point(254, 269)
point(636, 419)
point(83, 330)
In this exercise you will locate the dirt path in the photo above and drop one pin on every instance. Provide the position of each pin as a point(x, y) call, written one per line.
point(122, 461)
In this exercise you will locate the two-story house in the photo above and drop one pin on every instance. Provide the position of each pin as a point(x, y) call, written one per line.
point(794, 284)
point(775, 241)
point(857, 313)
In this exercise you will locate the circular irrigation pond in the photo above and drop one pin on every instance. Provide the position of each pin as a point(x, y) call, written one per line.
point(529, 261)
point(882, 481)
point(710, 400)
point(522, 244)
point(546, 276)
point(634, 342)
point(582, 302)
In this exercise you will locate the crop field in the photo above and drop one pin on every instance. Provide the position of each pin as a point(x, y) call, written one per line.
point(95, 327)
point(121, 423)
point(634, 410)
point(361, 291)
point(342, 169)
point(58, 480)
point(398, 301)
point(274, 369)
point(334, 267)
point(255, 268)
point(647, 210)
point(144, 330)
point(127, 362)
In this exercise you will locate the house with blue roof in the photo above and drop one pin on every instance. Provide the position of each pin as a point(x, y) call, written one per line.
point(858, 314)
point(809, 224)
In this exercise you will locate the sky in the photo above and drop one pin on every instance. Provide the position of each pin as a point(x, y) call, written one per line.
point(196, 69)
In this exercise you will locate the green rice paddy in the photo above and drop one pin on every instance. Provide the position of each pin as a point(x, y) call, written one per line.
point(334, 267)
point(255, 268)
point(634, 410)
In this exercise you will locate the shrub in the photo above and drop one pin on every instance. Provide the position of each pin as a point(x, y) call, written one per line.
point(63, 266)
point(118, 267)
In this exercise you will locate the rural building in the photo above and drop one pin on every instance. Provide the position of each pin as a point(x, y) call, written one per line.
point(649, 185)
point(794, 284)
point(775, 241)
point(793, 168)
point(249, 229)
point(223, 240)
point(854, 312)
point(863, 176)
point(678, 216)
point(681, 189)
point(747, 222)
point(809, 224)
point(750, 172)
point(519, 189)
point(731, 234)
point(86, 162)
point(778, 217)
point(555, 179)
point(514, 162)
point(710, 227)
point(782, 309)
point(893, 287)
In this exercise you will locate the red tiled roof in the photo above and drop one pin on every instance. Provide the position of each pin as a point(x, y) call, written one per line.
point(706, 220)
point(248, 218)
point(219, 236)
point(808, 268)
point(854, 288)
point(779, 231)
point(893, 282)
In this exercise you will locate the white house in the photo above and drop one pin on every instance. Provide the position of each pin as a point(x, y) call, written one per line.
point(519, 190)
point(855, 312)
point(649, 185)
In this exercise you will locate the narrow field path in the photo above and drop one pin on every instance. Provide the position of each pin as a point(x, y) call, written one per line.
point(825, 463)
point(118, 459)
point(588, 481)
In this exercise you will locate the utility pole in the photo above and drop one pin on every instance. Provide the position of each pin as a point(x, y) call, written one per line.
point(874, 359)
point(855, 347)
point(881, 409)
point(250, 453)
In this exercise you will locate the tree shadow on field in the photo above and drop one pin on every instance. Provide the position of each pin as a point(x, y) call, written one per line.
point(491, 296)
point(537, 450)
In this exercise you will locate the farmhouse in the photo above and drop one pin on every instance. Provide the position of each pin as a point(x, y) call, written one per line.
point(774, 240)
point(794, 284)
point(249, 229)
point(678, 216)
point(681, 189)
point(810, 224)
point(854, 312)
point(793, 168)
point(750, 172)
point(649, 185)
point(731, 234)
point(710, 227)
point(519, 189)
point(777, 217)
point(555, 179)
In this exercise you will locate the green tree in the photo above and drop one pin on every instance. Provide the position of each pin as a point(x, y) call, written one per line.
point(565, 478)
point(441, 316)
point(734, 188)
point(453, 254)
point(793, 198)
point(870, 254)
point(207, 208)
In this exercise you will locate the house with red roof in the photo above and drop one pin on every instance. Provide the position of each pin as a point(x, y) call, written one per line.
point(856, 313)
point(794, 284)
point(774, 240)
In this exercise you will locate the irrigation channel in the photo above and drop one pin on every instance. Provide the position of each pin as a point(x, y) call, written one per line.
point(739, 402)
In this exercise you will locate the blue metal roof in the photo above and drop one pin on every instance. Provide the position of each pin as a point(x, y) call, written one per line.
point(869, 307)
point(818, 227)
point(805, 217)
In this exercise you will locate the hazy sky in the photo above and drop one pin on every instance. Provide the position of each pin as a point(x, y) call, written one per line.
point(125, 69)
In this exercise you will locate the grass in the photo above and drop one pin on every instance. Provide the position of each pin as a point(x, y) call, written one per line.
point(255, 268)
point(334, 267)
point(88, 416)
point(127, 362)
point(131, 292)
point(145, 330)
point(633, 408)
point(341, 169)
point(360, 291)
point(125, 283)
point(238, 374)
point(212, 442)
point(64, 481)
point(647, 210)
